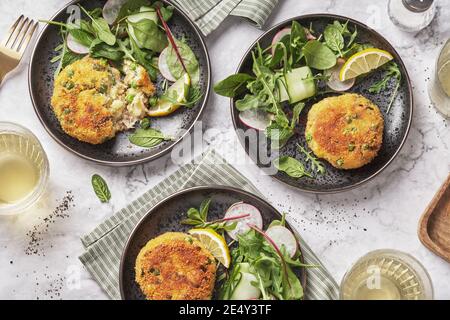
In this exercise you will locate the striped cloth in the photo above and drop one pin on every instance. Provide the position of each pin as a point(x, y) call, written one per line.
point(104, 245)
point(209, 14)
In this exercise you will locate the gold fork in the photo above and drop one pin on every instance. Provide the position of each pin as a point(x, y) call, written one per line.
point(14, 44)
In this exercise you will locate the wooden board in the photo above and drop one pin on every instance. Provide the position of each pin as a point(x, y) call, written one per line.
point(434, 227)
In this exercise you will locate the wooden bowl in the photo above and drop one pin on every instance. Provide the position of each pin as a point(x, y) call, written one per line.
point(434, 227)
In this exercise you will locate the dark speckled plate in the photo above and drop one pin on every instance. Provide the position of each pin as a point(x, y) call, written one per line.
point(118, 151)
point(397, 122)
point(167, 217)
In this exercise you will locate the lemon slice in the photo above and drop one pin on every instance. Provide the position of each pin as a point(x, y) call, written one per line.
point(178, 92)
point(215, 244)
point(363, 62)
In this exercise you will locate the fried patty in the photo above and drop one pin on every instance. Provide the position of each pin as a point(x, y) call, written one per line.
point(92, 102)
point(346, 130)
point(176, 266)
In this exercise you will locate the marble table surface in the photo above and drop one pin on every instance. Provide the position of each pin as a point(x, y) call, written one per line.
point(340, 228)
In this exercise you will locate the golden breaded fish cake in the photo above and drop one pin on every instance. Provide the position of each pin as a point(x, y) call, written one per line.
point(176, 266)
point(346, 130)
point(92, 102)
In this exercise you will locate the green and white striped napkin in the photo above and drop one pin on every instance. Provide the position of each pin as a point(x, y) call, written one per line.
point(209, 14)
point(104, 245)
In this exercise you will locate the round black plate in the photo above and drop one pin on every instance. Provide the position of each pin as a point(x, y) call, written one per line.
point(118, 151)
point(167, 217)
point(397, 122)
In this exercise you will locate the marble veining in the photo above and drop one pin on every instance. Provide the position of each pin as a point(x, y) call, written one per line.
point(340, 228)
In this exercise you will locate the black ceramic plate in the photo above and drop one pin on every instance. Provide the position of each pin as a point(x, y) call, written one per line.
point(118, 151)
point(167, 217)
point(397, 122)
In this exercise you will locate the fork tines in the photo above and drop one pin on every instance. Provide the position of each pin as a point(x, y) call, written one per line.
point(20, 34)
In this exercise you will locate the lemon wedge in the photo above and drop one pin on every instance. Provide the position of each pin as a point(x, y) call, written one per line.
point(363, 62)
point(214, 243)
point(178, 94)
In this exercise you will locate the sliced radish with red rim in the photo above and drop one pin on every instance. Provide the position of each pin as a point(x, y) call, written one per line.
point(256, 119)
point(111, 10)
point(164, 67)
point(75, 46)
point(243, 225)
point(334, 82)
point(279, 36)
point(282, 236)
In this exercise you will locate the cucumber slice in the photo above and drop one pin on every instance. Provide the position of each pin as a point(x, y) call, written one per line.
point(300, 84)
point(150, 15)
point(282, 88)
point(146, 9)
point(245, 290)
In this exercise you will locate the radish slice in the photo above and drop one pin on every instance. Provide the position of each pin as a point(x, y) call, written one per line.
point(279, 36)
point(164, 67)
point(334, 82)
point(256, 119)
point(283, 237)
point(243, 227)
point(111, 10)
point(75, 46)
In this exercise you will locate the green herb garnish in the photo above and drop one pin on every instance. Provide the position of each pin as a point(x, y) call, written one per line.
point(147, 138)
point(100, 188)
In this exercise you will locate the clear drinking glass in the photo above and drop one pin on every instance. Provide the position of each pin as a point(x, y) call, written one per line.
point(24, 169)
point(439, 88)
point(412, 15)
point(387, 275)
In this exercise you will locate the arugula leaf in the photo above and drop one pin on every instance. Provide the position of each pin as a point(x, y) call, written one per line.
point(233, 85)
point(318, 56)
point(198, 218)
point(316, 165)
point(292, 167)
point(65, 56)
point(298, 40)
point(147, 138)
point(100, 188)
point(273, 270)
point(393, 72)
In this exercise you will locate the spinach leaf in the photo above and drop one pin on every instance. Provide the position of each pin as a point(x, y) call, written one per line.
point(81, 36)
point(334, 39)
point(189, 59)
point(250, 101)
point(130, 7)
point(319, 56)
point(147, 35)
point(292, 167)
point(233, 85)
point(100, 188)
point(147, 138)
point(99, 49)
point(101, 29)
